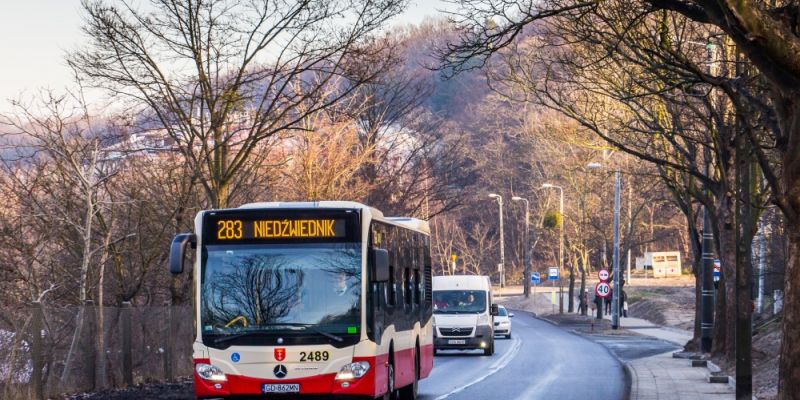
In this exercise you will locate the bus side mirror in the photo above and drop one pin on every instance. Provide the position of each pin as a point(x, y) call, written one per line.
point(379, 262)
point(495, 310)
point(177, 251)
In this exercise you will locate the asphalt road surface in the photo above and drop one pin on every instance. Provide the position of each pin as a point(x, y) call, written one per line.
point(540, 361)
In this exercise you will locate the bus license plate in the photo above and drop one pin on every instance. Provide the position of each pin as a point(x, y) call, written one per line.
point(456, 341)
point(281, 388)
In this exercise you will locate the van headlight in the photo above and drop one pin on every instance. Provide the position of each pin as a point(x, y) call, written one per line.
point(483, 319)
point(210, 372)
point(353, 371)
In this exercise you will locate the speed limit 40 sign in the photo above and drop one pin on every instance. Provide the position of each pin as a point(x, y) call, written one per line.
point(602, 289)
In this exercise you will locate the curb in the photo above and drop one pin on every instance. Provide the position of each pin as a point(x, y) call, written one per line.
point(628, 381)
point(715, 370)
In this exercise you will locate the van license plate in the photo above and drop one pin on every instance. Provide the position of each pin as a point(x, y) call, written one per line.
point(281, 388)
point(456, 341)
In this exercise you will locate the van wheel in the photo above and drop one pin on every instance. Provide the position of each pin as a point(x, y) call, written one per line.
point(409, 392)
point(489, 350)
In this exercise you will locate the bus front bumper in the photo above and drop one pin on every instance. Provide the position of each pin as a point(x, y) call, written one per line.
point(324, 385)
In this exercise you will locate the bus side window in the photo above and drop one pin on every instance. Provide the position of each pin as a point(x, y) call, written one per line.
point(391, 296)
point(409, 289)
point(417, 286)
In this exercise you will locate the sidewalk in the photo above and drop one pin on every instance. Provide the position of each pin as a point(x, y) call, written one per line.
point(647, 328)
point(663, 377)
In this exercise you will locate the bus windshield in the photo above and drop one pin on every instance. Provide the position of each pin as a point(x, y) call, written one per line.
point(295, 288)
point(459, 301)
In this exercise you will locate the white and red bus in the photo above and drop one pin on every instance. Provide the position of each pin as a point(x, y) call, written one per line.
point(317, 298)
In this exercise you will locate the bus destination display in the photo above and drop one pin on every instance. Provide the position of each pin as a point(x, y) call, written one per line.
point(232, 229)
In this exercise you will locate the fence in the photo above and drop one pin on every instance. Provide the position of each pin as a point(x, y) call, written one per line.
point(46, 351)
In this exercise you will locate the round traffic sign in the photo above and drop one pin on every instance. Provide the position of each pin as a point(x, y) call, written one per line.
point(603, 275)
point(602, 289)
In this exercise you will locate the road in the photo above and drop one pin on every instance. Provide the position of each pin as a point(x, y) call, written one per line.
point(541, 361)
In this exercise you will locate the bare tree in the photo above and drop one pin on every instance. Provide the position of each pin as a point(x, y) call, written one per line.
point(222, 76)
point(765, 32)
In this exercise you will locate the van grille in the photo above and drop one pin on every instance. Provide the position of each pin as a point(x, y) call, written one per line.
point(457, 331)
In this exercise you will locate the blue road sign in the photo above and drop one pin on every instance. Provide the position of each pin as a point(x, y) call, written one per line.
point(717, 270)
point(552, 274)
point(536, 278)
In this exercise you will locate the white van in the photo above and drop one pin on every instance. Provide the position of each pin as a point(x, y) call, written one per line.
point(463, 313)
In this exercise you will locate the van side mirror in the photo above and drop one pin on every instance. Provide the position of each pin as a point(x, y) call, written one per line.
point(177, 251)
point(379, 264)
point(495, 310)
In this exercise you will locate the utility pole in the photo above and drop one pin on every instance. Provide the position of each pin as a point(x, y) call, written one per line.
point(616, 295)
point(499, 199)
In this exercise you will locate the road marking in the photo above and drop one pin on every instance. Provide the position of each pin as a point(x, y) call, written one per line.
point(498, 365)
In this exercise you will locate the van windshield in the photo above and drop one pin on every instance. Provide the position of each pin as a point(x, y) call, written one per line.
point(459, 301)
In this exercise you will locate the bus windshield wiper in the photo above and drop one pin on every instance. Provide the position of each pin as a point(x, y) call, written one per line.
point(313, 328)
point(289, 324)
point(227, 338)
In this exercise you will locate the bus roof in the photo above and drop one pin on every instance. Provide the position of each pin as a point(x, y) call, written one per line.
point(406, 222)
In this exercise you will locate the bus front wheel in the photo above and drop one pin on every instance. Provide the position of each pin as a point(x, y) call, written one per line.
point(409, 392)
point(391, 393)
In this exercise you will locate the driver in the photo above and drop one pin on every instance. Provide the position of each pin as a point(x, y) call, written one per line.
point(469, 301)
point(340, 288)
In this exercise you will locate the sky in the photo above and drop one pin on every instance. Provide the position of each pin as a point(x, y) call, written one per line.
point(36, 34)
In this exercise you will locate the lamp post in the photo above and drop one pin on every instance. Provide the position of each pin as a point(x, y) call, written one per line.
point(617, 292)
point(527, 240)
point(502, 244)
point(560, 244)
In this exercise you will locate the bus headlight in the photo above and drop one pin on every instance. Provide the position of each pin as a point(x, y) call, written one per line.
point(353, 371)
point(210, 372)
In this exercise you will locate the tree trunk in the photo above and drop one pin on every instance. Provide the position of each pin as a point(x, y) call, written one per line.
point(85, 263)
point(745, 230)
point(724, 321)
point(789, 375)
point(571, 304)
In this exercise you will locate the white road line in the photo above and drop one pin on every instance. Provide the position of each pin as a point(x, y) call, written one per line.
point(498, 365)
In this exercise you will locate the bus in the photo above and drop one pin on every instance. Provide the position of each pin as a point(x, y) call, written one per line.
point(309, 298)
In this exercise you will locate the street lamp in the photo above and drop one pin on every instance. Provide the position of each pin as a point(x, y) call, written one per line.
point(527, 241)
point(617, 293)
point(560, 243)
point(502, 244)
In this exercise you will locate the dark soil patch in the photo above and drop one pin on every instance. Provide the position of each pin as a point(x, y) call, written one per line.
point(180, 390)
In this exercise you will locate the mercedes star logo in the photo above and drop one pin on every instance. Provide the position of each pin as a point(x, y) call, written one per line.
point(280, 371)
